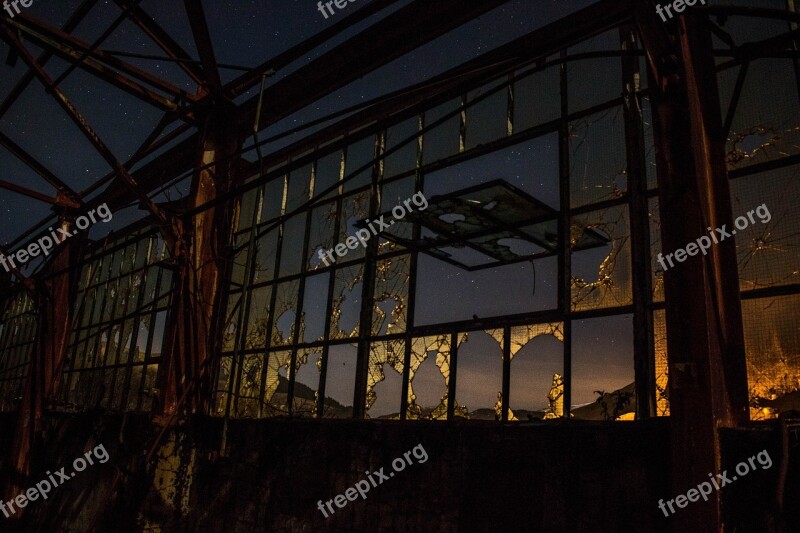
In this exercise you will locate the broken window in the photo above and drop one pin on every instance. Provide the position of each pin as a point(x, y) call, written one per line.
point(276, 386)
point(429, 377)
point(346, 306)
point(391, 295)
point(537, 357)
point(118, 335)
point(772, 342)
point(661, 363)
point(768, 250)
point(601, 275)
point(385, 378)
point(306, 378)
point(657, 272)
point(340, 382)
point(479, 376)
point(765, 126)
point(315, 308)
point(602, 379)
point(598, 167)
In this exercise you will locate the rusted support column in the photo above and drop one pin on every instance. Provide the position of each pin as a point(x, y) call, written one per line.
point(53, 301)
point(707, 367)
point(643, 348)
point(194, 333)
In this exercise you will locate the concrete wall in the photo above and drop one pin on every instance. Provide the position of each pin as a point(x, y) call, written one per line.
point(478, 477)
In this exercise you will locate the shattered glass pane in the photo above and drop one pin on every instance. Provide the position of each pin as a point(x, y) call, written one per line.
point(772, 343)
point(256, 332)
point(306, 382)
point(654, 216)
point(315, 309)
point(602, 369)
point(341, 381)
point(391, 295)
point(601, 277)
point(285, 313)
point(479, 377)
point(354, 209)
point(768, 250)
point(249, 392)
point(661, 366)
point(385, 379)
point(537, 356)
point(598, 166)
point(766, 125)
point(276, 387)
point(346, 306)
point(428, 384)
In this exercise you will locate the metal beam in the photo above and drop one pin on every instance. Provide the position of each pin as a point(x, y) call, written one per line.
point(91, 60)
point(202, 40)
point(146, 23)
point(393, 37)
point(93, 138)
point(37, 167)
point(68, 27)
point(411, 27)
point(246, 81)
point(60, 199)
